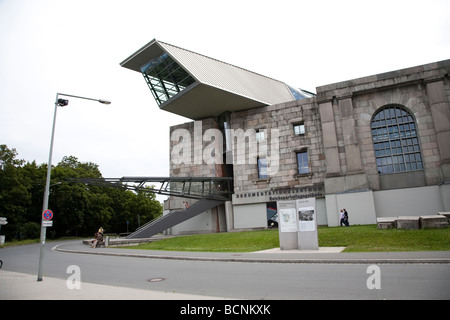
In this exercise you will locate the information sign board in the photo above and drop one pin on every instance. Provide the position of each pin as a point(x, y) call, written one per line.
point(47, 224)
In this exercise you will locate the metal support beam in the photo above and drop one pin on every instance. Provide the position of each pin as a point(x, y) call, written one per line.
point(185, 187)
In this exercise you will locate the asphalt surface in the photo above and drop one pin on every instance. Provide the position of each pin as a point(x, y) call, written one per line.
point(323, 274)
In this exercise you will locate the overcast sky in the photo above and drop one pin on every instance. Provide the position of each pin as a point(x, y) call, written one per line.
point(76, 46)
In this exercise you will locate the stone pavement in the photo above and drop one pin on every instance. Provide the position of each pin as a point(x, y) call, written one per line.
point(20, 286)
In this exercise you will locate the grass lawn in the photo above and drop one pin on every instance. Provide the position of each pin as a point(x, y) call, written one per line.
point(355, 238)
point(370, 239)
point(247, 241)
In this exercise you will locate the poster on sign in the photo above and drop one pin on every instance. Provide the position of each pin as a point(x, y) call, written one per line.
point(287, 225)
point(287, 220)
point(306, 219)
point(307, 224)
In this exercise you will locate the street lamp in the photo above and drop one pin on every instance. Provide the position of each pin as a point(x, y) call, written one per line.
point(59, 102)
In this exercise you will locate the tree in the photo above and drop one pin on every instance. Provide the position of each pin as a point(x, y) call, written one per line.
point(143, 207)
point(69, 201)
point(15, 196)
point(79, 209)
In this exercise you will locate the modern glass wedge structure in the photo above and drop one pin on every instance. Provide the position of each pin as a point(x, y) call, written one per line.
point(377, 146)
point(197, 87)
point(165, 78)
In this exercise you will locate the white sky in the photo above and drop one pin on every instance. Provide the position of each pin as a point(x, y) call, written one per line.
point(75, 47)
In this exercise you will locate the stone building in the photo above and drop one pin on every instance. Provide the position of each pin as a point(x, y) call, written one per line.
point(378, 146)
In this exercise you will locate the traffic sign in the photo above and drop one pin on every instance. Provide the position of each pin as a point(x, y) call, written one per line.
point(47, 215)
point(3, 221)
point(46, 223)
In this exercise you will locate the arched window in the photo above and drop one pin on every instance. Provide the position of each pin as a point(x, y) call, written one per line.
point(395, 141)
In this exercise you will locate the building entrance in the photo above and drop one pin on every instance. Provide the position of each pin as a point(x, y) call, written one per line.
point(272, 215)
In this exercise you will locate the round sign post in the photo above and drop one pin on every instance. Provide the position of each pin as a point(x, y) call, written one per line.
point(47, 216)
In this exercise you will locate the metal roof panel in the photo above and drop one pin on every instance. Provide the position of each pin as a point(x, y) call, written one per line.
point(229, 77)
point(219, 86)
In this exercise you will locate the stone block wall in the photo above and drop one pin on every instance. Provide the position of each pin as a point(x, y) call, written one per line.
point(189, 146)
point(347, 109)
point(277, 121)
point(337, 138)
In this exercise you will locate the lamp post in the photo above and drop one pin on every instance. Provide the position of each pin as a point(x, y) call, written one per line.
point(58, 103)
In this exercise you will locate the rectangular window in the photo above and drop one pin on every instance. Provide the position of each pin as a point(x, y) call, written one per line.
point(302, 162)
point(299, 129)
point(262, 168)
point(260, 134)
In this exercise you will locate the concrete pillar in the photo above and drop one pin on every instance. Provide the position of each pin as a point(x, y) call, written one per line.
point(440, 111)
point(229, 216)
point(329, 139)
point(332, 210)
point(352, 153)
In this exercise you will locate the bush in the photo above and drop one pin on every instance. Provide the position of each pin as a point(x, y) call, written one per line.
point(31, 230)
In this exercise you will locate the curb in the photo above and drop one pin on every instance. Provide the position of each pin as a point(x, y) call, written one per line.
point(263, 260)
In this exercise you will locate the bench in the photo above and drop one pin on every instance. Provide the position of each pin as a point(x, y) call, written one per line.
point(386, 223)
point(437, 221)
point(100, 244)
point(433, 222)
point(445, 214)
point(408, 222)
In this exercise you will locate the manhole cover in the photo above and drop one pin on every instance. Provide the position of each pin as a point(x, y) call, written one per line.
point(156, 279)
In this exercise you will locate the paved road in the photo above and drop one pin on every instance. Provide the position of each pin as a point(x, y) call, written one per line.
point(239, 280)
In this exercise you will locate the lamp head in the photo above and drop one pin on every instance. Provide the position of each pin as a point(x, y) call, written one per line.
point(63, 102)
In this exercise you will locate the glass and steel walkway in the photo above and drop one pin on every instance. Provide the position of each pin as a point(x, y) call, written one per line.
point(214, 188)
point(211, 192)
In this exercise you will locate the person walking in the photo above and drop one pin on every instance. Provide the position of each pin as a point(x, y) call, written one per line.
point(342, 217)
point(347, 224)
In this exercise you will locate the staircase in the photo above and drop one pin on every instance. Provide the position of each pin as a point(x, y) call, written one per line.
point(173, 218)
point(212, 191)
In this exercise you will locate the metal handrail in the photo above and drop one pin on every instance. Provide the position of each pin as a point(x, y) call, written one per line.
point(217, 188)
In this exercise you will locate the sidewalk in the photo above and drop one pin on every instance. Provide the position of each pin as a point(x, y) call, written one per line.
point(20, 286)
point(323, 255)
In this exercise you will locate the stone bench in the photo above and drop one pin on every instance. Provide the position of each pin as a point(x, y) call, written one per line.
point(123, 242)
point(100, 244)
point(438, 221)
point(445, 214)
point(408, 222)
point(386, 223)
point(433, 222)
